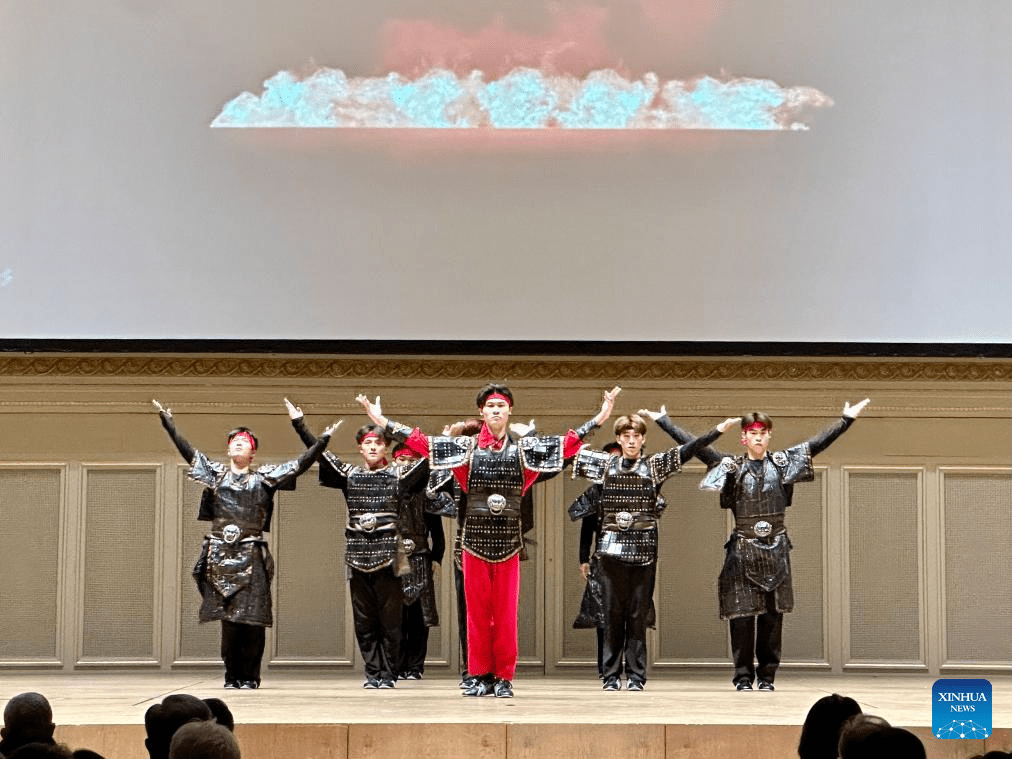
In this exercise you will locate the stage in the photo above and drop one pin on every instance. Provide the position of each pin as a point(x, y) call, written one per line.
point(328, 715)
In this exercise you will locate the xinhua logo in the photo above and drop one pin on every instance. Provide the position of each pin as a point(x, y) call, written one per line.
point(961, 709)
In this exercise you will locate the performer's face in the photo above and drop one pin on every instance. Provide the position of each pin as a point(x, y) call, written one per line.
point(631, 442)
point(756, 441)
point(404, 460)
point(373, 450)
point(240, 451)
point(495, 413)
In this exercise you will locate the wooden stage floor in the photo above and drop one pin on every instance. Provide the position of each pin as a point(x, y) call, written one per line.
point(88, 707)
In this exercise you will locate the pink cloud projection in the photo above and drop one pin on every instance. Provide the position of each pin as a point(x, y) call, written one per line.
point(496, 77)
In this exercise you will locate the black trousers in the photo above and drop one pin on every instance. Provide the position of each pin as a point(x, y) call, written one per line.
point(377, 599)
point(242, 650)
point(414, 638)
point(757, 638)
point(627, 591)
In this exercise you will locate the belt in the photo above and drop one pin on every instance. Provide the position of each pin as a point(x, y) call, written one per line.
point(625, 520)
point(761, 526)
point(231, 533)
point(372, 522)
point(496, 505)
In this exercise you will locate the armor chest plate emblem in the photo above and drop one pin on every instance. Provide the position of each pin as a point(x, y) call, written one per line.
point(230, 533)
point(763, 529)
point(624, 520)
point(496, 503)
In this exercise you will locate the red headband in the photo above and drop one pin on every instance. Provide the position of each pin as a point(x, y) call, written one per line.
point(402, 452)
point(368, 435)
point(249, 437)
point(755, 426)
point(500, 396)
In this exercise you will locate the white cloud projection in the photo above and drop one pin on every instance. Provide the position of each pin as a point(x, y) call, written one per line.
point(525, 98)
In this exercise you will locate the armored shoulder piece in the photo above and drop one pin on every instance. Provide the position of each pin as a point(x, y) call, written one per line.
point(591, 464)
point(449, 452)
point(716, 476)
point(541, 454)
point(795, 464)
point(663, 465)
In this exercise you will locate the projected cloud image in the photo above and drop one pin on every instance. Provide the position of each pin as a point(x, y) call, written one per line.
point(501, 76)
point(525, 98)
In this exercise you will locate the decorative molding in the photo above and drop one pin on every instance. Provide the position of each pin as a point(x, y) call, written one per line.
point(520, 368)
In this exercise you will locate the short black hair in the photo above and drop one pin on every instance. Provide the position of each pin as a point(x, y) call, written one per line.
point(371, 429)
point(493, 388)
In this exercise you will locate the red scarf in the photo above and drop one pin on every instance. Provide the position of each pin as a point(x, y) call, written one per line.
point(487, 440)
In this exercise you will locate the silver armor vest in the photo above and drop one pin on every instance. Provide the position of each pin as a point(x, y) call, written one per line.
point(372, 497)
point(495, 485)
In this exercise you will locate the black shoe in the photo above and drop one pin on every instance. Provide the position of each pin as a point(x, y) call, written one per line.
point(249, 685)
point(503, 689)
point(232, 684)
point(466, 680)
point(483, 686)
point(371, 683)
point(766, 685)
point(386, 683)
point(743, 685)
point(634, 685)
point(411, 676)
point(612, 683)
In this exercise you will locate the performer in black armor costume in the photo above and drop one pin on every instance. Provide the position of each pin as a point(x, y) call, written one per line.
point(591, 613)
point(495, 472)
point(754, 585)
point(235, 568)
point(424, 544)
point(627, 511)
point(375, 553)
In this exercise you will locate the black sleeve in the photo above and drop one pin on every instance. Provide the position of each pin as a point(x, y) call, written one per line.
point(588, 529)
point(692, 447)
point(329, 475)
point(822, 441)
point(187, 451)
point(434, 528)
point(305, 435)
point(706, 454)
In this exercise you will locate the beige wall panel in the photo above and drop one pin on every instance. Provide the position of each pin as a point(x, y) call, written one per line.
point(885, 607)
point(196, 641)
point(803, 628)
point(584, 741)
point(120, 563)
point(310, 605)
point(530, 618)
point(693, 531)
point(427, 741)
point(30, 547)
point(977, 510)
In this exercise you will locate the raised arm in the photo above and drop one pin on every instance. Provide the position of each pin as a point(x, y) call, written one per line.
point(330, 473)
point(692, 448)
point(824, 439)
point(187, 451)
point(705, 453)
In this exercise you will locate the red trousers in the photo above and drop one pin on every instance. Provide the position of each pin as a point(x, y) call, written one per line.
point(492, 591)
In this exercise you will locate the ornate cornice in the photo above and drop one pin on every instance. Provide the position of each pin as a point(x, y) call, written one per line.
point(521, 368)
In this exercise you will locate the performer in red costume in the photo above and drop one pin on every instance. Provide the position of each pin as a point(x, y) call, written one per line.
point(495, 471)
